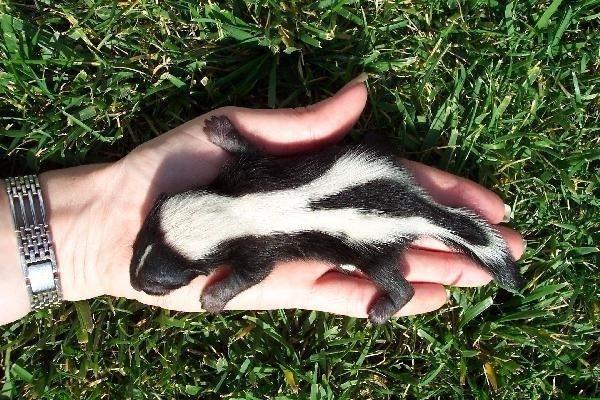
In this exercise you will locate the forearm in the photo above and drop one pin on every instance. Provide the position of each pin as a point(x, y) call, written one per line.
point(71, 201)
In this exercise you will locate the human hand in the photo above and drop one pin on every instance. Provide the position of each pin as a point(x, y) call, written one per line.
point(183, 158)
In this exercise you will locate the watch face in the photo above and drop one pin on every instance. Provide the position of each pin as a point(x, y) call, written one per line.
point(41, 276)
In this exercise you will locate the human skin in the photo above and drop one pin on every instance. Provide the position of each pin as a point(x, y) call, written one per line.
point(95, 212)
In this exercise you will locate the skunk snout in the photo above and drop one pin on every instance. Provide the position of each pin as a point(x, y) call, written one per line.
point(149, 286)
point(156, 270)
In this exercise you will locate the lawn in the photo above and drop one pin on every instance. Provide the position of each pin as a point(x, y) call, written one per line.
point(505, 93)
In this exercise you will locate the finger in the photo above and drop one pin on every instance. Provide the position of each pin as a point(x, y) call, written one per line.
point(293, 130)
point(349, 295)
point(514, 241)
point(315, 286)
point(289, 130)
point(443, 268)
point(455, 191)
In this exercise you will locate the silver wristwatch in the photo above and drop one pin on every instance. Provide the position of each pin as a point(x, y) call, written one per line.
point(35, 244)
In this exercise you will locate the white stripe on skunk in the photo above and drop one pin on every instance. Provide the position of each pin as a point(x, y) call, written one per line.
point(185, 217)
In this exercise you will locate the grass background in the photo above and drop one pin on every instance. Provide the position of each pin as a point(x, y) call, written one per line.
point(506, 93)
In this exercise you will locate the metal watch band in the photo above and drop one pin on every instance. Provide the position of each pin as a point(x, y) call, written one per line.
point(34, 241)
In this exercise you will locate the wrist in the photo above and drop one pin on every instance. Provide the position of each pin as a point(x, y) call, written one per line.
point(75, 205)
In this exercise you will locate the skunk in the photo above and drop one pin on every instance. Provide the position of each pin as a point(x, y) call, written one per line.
point(343, 205)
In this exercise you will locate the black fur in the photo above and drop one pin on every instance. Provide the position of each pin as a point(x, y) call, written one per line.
point(252, 257)
point(401, 203)
point(252, 172)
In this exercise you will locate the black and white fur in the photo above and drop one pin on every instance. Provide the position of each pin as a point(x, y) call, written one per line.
point(344, 205)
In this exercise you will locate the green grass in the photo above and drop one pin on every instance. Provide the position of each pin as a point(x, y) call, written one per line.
point(506, 93)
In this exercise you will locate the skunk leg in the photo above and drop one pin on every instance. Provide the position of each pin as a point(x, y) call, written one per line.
point(385, 272)
point(243, 275)
point(221, 132)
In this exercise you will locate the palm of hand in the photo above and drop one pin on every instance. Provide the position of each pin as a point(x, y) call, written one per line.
point(183, 158)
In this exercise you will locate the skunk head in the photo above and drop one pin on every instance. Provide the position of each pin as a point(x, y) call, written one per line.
point(155, 267)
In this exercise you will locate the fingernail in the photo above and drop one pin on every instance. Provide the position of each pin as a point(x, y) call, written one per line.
point(524, 245)
point(362, 77)
point(507, 212)
point(348, 267)
point(359, 79)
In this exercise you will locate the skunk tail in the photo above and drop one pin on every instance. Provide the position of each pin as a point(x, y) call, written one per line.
point(470, 234)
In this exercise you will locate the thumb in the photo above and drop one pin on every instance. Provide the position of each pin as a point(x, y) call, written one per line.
point(288, 130)
point(292, 130)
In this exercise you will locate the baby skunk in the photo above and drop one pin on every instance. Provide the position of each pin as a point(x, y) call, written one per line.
point(343, 205)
